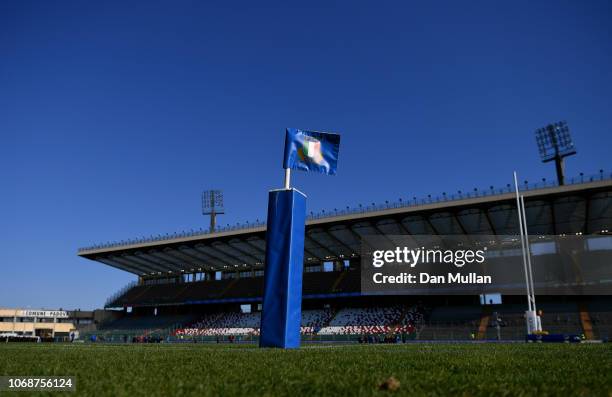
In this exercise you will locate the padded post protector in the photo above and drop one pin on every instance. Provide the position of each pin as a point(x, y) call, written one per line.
point(282, 300)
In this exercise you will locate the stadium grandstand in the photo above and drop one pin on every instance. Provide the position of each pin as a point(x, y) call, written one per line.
point(208, 286)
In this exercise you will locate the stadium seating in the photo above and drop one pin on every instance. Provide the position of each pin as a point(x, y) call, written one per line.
point(350, 321)
point(601, 318)
point(557, 318)
point(464, 320)
point(248, 323)
point(450, 323)
point(314, 320)
point(315, 283)
point(372, 320)
point(147, 322)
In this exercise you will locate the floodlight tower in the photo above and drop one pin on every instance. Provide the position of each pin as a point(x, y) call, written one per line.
point(555, 143)
point(212, 204)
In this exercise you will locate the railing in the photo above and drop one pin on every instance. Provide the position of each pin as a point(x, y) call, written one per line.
point(360, 209)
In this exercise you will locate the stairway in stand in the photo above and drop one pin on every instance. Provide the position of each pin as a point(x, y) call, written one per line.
point(485, 318)
point(338, 281)
point(585, 320)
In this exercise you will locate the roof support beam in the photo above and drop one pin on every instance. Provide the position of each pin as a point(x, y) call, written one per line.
point(148, 265)
point(485, 211)
point(456, 216)
point(383, 234)
point(318, 246)
point(310, 254)
point(223, 259)
point(208, 261)
point(401, 226)
point(119, 266)
point(161, 263)
point(553, 220)
point(251, 243)
point(217, 248)
point(331, 237)
point(242, 252)
point(358, 236)
point(350, 231)
point(427, 221)
point(247, 245)
point(353, 233)
point(197, 262)
point(175, 255)
point(431, 226)
point(168, 260)
point(340, 242)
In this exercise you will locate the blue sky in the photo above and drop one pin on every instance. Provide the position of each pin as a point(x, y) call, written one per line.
point(114, 116)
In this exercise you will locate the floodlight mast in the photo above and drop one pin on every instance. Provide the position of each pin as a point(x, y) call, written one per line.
point(555, 143)
point(559, 163)
point(212, 204)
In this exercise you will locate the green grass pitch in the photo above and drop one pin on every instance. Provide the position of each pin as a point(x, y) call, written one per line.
point(231, 370)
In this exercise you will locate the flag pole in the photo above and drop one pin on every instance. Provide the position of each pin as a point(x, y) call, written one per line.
point(287, 178)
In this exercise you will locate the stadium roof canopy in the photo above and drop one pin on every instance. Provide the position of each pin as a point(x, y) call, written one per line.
point(584, 206)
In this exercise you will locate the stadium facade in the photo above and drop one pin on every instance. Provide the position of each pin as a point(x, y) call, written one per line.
point(194, 278)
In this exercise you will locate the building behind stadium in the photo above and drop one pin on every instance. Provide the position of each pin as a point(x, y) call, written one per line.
point(48, 325)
